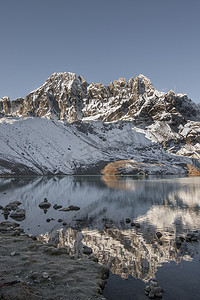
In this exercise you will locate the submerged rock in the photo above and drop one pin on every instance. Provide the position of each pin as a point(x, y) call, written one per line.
point(57, 206)
point(128, 220)
point(45, 204)
point(18, 214)
point(70, 208)
point(74, 207)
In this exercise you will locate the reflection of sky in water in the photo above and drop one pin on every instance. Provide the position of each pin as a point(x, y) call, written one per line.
point(169, 205)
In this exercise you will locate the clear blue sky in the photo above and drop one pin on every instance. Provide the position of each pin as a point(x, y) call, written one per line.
point(101, 40)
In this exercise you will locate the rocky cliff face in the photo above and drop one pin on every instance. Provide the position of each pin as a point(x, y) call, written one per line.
point(168, 119)
point(66, 96)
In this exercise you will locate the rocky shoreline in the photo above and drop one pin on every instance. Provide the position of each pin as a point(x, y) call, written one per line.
point(33, 270)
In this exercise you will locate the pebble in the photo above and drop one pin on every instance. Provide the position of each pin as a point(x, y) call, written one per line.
point(87, 250)
point(45, 204)
point(132, 224)
point(154, 290)
point(137, 225)
point(34, 275)
point(13, 253)
point(159, 234)
point(73, 207)
point(60, 220)
point(65, 209)
point(57, 206)
point(48, 220)
point(159, 295)
point(37, 281)
point(45, 275)
point(128, 220)
point(151, 295)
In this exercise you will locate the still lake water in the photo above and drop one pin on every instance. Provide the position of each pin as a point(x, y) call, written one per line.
point(169, 205)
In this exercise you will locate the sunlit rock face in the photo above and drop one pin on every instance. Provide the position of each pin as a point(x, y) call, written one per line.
point(171, 123)
point(66, 96)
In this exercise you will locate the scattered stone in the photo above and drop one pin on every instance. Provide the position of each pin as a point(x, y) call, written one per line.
point(57, 206)
point(73, 207)
point(48, 220)
point(178, 243)
point(153, 290)
point(158, 295)
point(45, 204)
point(13, 253)
point(18, 214)
point(128, 220)
point(11, 206)
point(60, 220)
point(45, 275)
point(159, 234)
point(65, 209)
point(6, 214)
point(87, 250)
point(151, 295)
point(132, 224)
point(182, 239)
point(137, 225)
point(37, 281)
point(18, 203)
point(64, 223)
point(34, 275)
point(147, 288)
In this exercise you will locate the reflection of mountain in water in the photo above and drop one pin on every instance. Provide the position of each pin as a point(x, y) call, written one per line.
point(170, 206)
point(129, 251)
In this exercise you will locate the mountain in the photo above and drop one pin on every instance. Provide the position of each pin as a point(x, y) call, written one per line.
point(68, 126)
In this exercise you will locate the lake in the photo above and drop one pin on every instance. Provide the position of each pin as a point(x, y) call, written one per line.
point(132, 224)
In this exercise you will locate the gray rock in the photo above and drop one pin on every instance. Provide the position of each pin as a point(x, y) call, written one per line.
point(147, 288)
point(65, 209)
point(128, 220)
point(153, 284)
point(137, 225)
point(73, 207)
point(158, 295)
point(159, 234)
point(156, 289)
point(45, 275)
point(87, 250)
point(57, 206)
point(45, 204)
point(18, 214)
point(151, 295)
